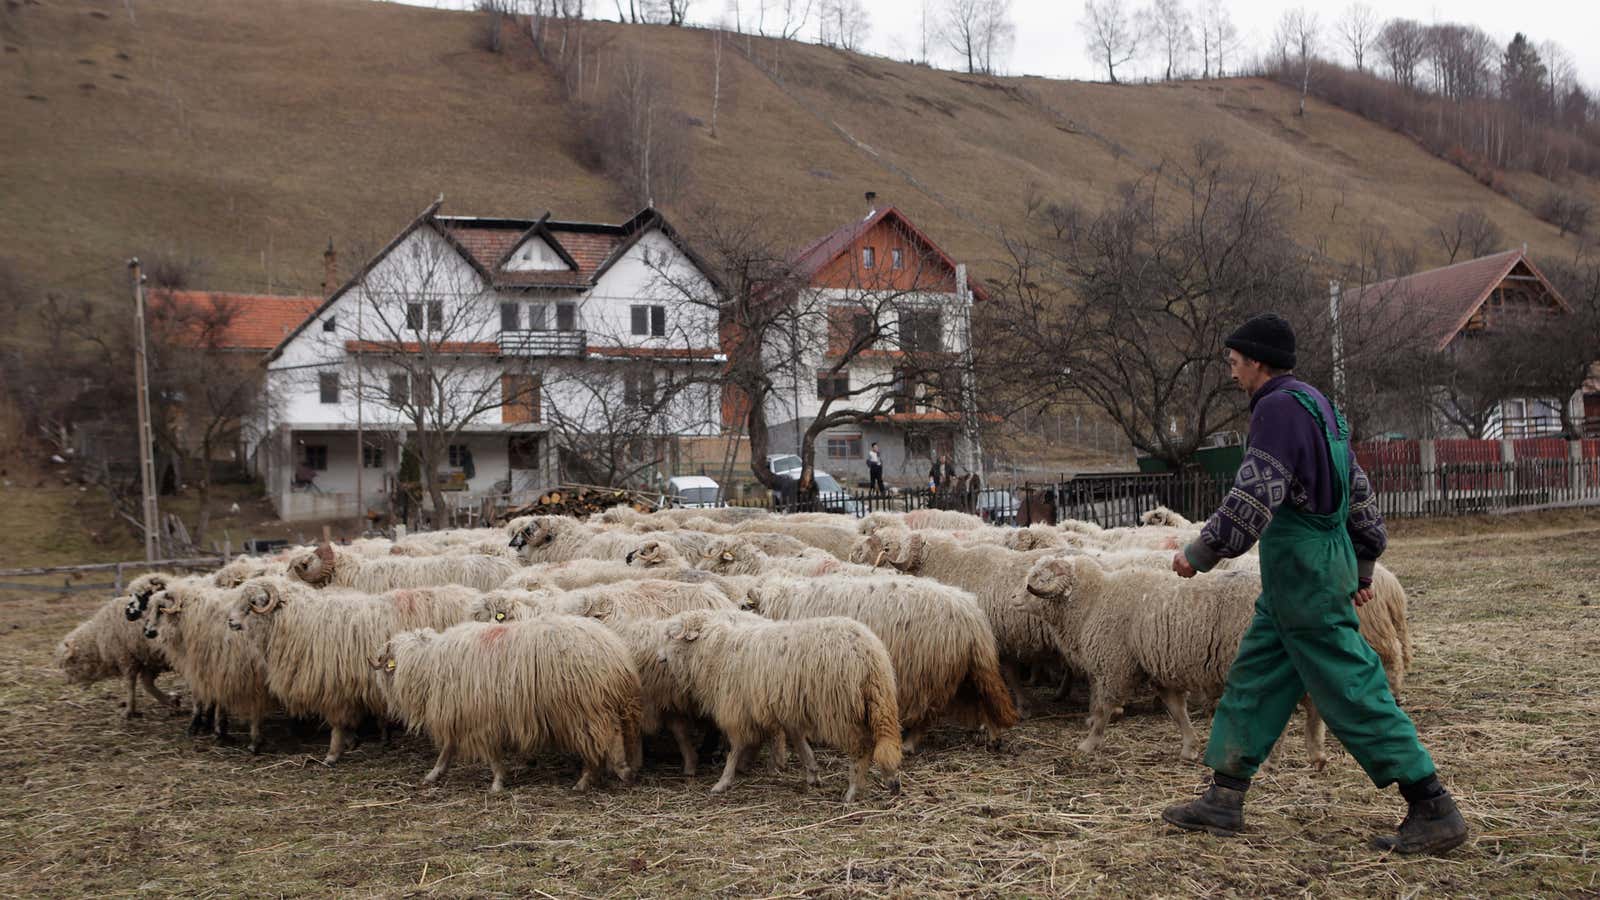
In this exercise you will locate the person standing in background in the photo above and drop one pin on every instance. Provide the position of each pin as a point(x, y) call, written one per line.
point(874, 469)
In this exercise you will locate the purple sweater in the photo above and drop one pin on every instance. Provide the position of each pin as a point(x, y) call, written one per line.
point(1286, 461)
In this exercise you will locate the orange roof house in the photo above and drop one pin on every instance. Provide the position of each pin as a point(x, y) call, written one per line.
point(1463, 298)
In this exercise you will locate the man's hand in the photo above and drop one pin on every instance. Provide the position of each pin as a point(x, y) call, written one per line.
point(1180, 564)
point(1362, 596)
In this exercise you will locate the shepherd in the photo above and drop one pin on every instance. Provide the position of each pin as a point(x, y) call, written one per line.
point(1300, 492)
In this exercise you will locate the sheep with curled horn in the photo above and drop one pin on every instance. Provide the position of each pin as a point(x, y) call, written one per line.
point(327, 566)
point(483, 689)
point(548, 539)
point(188, 621)
point(736, 555)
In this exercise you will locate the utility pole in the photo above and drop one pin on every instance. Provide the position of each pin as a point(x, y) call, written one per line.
point(969, 377)
point(141, 375)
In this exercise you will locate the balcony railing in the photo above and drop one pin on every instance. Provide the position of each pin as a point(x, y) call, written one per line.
point(544, 343)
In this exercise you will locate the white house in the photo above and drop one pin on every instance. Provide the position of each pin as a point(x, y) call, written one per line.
point(522, 335)
point(890, 334)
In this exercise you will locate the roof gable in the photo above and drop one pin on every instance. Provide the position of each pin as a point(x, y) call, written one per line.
point(813, 260)
point(1447, 298)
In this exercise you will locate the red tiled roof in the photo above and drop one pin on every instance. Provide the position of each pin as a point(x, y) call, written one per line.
point(814, 257)
point(490, 241)
point(1441, 300)
point(589, 250)
point(938, 417)
point(253, 321)
point(488, 245)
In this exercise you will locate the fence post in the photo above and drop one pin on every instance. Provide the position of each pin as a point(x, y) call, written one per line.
point(119, 580)
point(1432, 477)
point(1575, 468)
point(1508, 460)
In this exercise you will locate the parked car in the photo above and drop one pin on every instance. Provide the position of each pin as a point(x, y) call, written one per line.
point(998, 506)
point(692, 492)
point(783, 462)
point(831, 495)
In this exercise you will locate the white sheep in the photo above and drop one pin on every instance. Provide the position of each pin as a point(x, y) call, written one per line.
point(188, 620)
point(1161, 515)
point(737, 555)
point(642, 599)
point(992, 574)
point(481, 689)
point(327, 566)
point(547, 539)
point(940, 642)
point(242, 568)
point(109, 644)
point(828, 537)
point(1139, 625)
point(920, 519)
point(828, 678)
point(314, 647)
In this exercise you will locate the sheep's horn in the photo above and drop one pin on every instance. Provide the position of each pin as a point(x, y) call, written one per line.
point(374, 662)
point(1038, 593)
point(882, 555)
point(273, 599)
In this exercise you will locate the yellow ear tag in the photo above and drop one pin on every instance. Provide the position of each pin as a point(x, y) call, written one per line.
point(389, 665)
point(499, 617)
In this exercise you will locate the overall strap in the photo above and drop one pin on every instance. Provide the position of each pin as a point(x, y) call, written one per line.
point(1338, 448)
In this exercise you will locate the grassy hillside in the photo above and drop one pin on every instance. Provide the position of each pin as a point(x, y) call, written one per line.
point(248, 134)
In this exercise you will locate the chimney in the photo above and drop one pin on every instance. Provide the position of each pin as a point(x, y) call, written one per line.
point(872, 203)
point(330, 267)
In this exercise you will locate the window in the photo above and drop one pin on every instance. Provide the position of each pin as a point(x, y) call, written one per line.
point(510, 317)
point(920, 331)
point(371, 456)
point(897, 258)
point(566, 317)
point(639, 388)
point(421, 391)
point(435, 311)
point(328, 386)
point(862, 327)
point(919, 445)
point(519, 398)
point(399, 390)
point(649, 320)
point(536, 317)
point(523, 451)
point(867, 257)
point(317, 457)
point(459, 454)
point(844, 446)
point(835, 385)
point(330, 323)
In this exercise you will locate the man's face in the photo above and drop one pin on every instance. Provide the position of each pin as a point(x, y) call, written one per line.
point(1243, 371)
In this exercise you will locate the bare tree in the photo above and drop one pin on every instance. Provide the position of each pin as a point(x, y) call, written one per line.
point(640, 136)
point(1110, 34)
point(1470, 230)
point(1217, 36)
point(844, 23)
point(1358, 28)
point(1156, 284)
point(1402, 43)
point(979, 31)
point(1170, 26)
point(1296, 39)
point(718, 39)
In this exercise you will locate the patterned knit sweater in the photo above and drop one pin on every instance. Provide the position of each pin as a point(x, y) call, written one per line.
point(1286, 461)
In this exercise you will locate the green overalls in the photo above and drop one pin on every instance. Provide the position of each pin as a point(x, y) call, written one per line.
point(1305, 639)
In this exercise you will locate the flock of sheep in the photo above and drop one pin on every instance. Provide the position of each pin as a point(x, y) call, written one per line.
point(770, 631)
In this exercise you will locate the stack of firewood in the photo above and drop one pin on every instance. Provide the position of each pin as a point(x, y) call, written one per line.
point(582, 500)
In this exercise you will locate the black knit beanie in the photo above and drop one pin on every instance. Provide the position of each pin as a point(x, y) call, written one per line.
point(1267, 338)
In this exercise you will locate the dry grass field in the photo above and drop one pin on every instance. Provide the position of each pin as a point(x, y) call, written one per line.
point(1506, 692)
point(248, 134)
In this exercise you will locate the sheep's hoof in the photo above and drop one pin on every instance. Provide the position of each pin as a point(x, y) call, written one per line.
point(1189, 756)
point(850, 794)
point(813, 780)
point(255, 748)
point(719, 788)
point(330, 759)
point(497, 788)
point(1318, 763)
point(689, 771)
point(131, 714)
point(893, 784)
point(1088, 745)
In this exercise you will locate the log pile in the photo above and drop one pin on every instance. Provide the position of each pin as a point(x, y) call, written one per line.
point(582, 500)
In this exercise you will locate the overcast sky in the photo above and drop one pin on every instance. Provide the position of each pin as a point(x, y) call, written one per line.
point(1049, 42)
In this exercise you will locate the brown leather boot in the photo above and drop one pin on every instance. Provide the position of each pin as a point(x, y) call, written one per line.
point(1432, 825)
point(1219, 811)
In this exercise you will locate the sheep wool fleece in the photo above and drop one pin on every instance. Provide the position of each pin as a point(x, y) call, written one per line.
point(1305, 638)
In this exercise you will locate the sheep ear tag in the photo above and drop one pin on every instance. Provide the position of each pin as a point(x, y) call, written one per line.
point(500, 616)
point(727, 556)
point(389, 665)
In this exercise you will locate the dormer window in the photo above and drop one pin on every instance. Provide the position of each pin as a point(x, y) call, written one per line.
point(536, 255)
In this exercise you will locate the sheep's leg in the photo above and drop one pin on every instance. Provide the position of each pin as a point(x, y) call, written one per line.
point(447, 753)
point(255, 731)
point(336, 745)
point(914, 734)
point(1065, 688)
point(808, 760)
point(1012, 681)
point(731, 768)
point(128, 711)
point(497, 765)
point(623, 748)
point(680, 733)
point(1177, 704)
point(1316, 735)
point(778, 754)
point(197, 719)
point(1100, 709)
point(148, 679)
point(219, 719)
point(858, 776)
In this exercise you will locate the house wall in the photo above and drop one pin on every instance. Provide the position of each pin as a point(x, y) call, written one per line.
point(923, 269)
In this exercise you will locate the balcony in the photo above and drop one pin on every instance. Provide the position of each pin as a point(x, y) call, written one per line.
point(544, 343)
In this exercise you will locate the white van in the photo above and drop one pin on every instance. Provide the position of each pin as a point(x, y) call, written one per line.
point(692, 492)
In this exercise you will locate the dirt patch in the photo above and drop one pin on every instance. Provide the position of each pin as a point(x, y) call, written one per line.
point(1505, 690)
